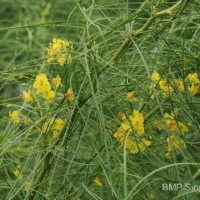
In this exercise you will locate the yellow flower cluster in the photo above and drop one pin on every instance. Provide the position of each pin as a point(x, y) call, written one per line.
point(54, 126)
point(135, 123)
point(174, 141)
point(172, 125)
point(43, 86)
point(167, 88)
point(180, 85)
point(57, 82)
point(14, 116)
point(155, 77)
point(194, 87)
point(69, 95)
point(131, 97)
point(60, 51)
point(27, 96)
point(164, 86)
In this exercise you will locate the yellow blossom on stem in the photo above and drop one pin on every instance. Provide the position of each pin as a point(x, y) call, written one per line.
point(155, 76)
point(26, 121)
point(42, 84)
point(131, 145)
point(120, 134)
point(57, 81)
point(175, 125)
point(126, 126)
point(69, 95)
point(194, 89)
point(180, 85)
point(60, 51)
point(131, 97)
point(55, 134)
point(159, 125)
point(58, 124)
point(144, 144)
point(14, 115)
point(134, 148)
point(121, 116)
point(193, 78)
point(183, 128)
point(49, 95)
point(137, 121)
point(166, 88)
point(175, 141)
point(54, 126)
point(27, 96)
point(171, 125)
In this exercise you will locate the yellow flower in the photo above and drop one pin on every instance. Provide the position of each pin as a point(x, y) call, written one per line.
point(69, 95)
point(14, 115)
point(49, 95)
point(155, 76)
point(62, 60)
point(183, 128)
point(168, 116)
point(131, 97)
point(130, 145)
point(42, 84)
point(97, 182)
point(27, 96)
point(194, 89)
point(193, 78)
point(144, 144)
point(138, 122)
point(58, 125)
point(26, 121)
point(60, 51)
point(120, 134)
point(17, 173)
point(159, 125)
point(121, 116)
point(166, 88)
point(180, 85)
point(125, 126)
point(57, 81)
point(54, 126)
point(55, 134)
point(134, 148)
point(178, 143)
point(173, 125)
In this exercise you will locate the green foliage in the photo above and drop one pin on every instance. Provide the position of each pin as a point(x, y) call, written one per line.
point(86, 142)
